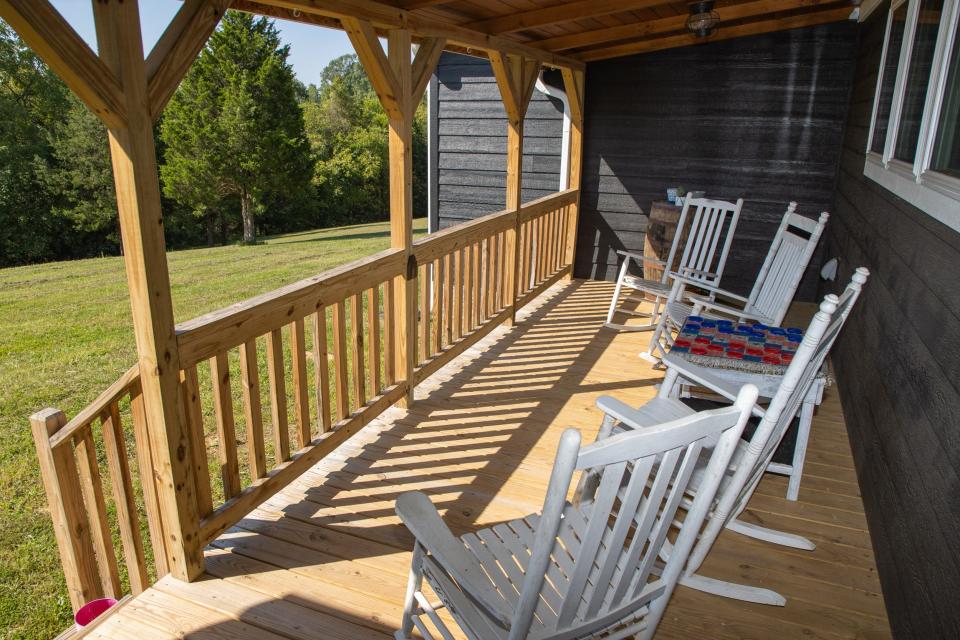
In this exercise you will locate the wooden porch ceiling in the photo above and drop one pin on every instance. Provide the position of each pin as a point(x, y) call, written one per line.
point(559, 32)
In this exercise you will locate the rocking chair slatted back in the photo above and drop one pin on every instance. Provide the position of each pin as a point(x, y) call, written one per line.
point(816, 344)
point(606, 547)
point(810, 356)
point(781, 272)
point(713, 220)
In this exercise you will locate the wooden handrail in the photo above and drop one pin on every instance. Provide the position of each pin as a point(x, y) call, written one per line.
point(450, 239)
point(96, 408)
point(547, 203)
point(207, 335)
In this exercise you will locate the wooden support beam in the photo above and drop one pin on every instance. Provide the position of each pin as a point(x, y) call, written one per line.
point(58, 45)
point(558, 13)
point(573, 82)
point(144, 251)
point(726, 33)
point(401, 210)
point(384, 16)
point(374, 61)
point(727, 13)
point(516, 78)
point(399, 82)
point(424, 63)
point(177, 48)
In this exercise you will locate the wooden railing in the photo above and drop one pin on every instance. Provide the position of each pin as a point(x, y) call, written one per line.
point(327, 346)
point(73, 480)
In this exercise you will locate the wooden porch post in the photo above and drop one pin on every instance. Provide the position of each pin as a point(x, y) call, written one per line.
point(516, 78)
point(399, 83)
point(573, 81)
point(141, 226)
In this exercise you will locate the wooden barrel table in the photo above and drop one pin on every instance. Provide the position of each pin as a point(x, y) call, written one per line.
point(661, 230)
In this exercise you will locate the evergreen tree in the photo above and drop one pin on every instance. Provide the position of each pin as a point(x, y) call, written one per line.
point(32, 101)
point(79, 177)
point(234, 127)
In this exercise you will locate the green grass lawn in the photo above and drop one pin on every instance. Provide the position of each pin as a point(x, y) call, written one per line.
point(65, 335)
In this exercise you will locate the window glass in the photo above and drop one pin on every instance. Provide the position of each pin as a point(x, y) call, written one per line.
point(889, 78)
point(918, 79)
point(946, 146)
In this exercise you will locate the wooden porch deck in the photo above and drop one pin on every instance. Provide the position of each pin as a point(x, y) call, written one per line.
point(327, 557)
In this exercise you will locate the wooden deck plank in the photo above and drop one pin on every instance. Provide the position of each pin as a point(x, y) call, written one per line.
point(327, 556)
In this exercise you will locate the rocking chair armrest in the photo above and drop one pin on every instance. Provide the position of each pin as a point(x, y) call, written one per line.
point(701, 376)
point(716, 307)
point(717, 292)
point(422, 519)
point(699, 273)
point(688, 278)
point(640, 257)
point(620, 411)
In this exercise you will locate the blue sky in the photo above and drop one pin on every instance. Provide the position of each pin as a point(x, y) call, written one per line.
point(311, 47)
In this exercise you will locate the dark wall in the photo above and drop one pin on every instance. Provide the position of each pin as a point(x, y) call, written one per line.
point(472, 142)
point(759, 118)
point(898, 369)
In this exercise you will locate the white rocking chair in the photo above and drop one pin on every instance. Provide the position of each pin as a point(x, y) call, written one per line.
point(583, 571)
point(751, 459)
point(713, 221)
point(780, 275)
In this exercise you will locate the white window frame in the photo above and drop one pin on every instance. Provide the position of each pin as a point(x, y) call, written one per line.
point(937, 194)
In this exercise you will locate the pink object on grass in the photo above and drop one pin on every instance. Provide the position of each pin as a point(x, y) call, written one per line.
point(92, 610)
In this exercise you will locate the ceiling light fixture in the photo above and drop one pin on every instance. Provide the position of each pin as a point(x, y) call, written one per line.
point(703, 19)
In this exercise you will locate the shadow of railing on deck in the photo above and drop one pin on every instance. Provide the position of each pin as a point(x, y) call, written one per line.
point(497, 407)
point(460, 444)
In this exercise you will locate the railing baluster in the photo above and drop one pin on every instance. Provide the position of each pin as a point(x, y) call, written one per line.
point(59, 472)
point(424, 312)
point(301, 392)
point(276, 372)
point(198, 442)
point(92, 489)
point(148, 481)
point(467, 289)
point(226, 428)
point(373, 342)
point(437, 305)
point(356, 334)
point(389, 334)
point(252, 409)
point(340, 359)
point(124, 499)
point(321, 370)
point(448, 297)
point(477, 284)
point(458, 259)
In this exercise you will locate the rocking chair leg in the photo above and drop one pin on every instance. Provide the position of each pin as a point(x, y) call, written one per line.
point(410, 602)
point(617, 289)
point(770, 535)
point(733, 590)
point(655, 350)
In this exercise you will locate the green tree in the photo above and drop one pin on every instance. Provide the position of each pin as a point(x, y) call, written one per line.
point(80, 175)
point(234, 128)
point(347, 129)
point(32, 101)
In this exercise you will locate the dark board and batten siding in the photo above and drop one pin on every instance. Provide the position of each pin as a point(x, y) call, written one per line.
point(759, 118)
point(898, 370)
point(471, 152)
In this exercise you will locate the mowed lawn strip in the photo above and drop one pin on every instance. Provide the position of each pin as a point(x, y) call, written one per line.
point(65, 335)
